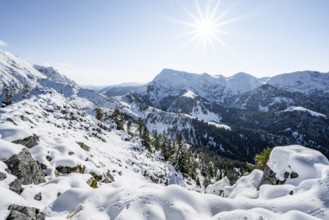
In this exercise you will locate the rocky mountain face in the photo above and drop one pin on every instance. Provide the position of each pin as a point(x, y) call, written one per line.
point(259, 112)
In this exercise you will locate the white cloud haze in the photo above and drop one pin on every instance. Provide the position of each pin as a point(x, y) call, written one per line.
point(3, 43)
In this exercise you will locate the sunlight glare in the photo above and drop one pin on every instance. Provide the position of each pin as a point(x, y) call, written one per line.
point(207, 26)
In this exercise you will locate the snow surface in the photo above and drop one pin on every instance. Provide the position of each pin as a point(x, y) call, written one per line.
point(219, 125)
point(190, 94)
point(15, 71)
point(302, 109)
point(54, 75)
point(302, 81)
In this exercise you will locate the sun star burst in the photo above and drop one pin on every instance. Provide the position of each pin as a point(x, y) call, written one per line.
point(206, 26)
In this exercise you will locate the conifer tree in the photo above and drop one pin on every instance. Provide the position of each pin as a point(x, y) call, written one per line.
point(99, 114)
point(140, 126)
point(262, 158)
point(9, 94)
point(117, 117)
point(26, 91)
point(129, 127)
point(146, 140)
point(156, 140)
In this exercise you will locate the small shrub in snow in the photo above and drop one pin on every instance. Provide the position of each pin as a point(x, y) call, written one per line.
point(83, 146)
point(94, 183)
point(262, 158)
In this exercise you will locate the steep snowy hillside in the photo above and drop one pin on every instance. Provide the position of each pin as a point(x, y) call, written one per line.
point(16, 72)
point(65, 139)
point(19, 79)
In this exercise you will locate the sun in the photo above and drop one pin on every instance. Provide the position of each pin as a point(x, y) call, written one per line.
point(206, 26)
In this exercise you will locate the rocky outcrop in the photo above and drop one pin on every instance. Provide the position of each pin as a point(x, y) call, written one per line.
point(16, 186)
point(24, 213)
point(28, 142)
point(64, 170)
point(26, 169)
point(38, 197)
point(2, 176)
point(269, 177)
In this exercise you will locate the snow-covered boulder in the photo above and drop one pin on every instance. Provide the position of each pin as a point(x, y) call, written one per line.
point(246, 186)
point(218, 187)
point(294, 164)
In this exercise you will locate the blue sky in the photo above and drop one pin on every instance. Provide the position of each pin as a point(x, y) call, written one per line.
point(105, 42)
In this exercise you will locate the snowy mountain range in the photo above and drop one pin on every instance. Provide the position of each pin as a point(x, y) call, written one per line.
point(218, 89)
point(59, 160)
point(283, 109)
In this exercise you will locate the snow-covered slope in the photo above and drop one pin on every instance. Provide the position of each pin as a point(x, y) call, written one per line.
point(15, 71)
point(302, 81)
point(62, 124)
point(302, 109)
point(22, 80)
point(54, 75)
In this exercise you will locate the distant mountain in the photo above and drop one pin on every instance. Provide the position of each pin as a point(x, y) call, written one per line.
point(284, 109)
point(121, 89)
point(220, 89)
point(54, 75)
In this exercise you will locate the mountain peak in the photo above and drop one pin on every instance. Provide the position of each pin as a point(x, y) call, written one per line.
point(15, 71)
point(54, 75)
point(242, 75)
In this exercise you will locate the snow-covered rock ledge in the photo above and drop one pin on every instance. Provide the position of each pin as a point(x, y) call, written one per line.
point(295, 183)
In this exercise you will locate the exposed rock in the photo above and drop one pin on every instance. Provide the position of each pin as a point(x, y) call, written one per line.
point(108, 178)
point(65, 170)
point(270, 178)
point(26, 169)
point(84, 146)
point(38, 197)
point(286, 175)
point(24, 213)
point(293, 175)
point(16, 186)
point(28, 142)
point(41, 165)
point(2, 176)
point(49, 158)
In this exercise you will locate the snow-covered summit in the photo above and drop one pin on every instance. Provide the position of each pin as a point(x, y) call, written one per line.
point(242, 82)
point(173, 83)
point(302, 81)
point(214, 88)
point(15, 71)
point(54, 75)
